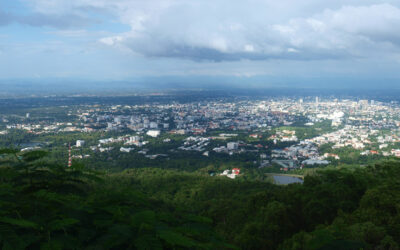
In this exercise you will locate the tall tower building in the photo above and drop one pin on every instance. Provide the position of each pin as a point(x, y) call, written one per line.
point(69, 155)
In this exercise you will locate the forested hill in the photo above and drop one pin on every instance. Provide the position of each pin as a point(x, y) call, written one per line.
point(48, 206)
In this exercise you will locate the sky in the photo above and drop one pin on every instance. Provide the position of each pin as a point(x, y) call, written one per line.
point(308, 43)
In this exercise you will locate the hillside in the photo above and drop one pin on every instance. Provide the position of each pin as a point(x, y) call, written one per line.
point(48, 206)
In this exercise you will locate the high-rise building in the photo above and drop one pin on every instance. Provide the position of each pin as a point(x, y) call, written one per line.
point(363, 103)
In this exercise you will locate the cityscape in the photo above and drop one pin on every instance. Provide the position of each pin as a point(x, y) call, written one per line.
point(292, 133)
point(199, 125)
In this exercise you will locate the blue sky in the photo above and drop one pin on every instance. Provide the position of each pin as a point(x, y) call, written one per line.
point(286, 42)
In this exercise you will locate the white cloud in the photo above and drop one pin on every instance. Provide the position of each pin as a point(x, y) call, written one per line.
point(344, 32)
point(249, 48)
point(111, 40)
point(226, 30)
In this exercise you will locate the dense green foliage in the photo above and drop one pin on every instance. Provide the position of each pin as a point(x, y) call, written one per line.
point(334, 209)
point(49, 206)
point(52, 207)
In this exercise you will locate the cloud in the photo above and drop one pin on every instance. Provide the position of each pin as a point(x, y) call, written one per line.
point(355, 30)
point(225, 30)
point(350, 31)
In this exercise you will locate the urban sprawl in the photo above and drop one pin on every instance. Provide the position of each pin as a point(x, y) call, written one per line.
point(287, 133)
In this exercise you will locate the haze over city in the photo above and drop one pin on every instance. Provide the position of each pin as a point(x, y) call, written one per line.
point(303, 44)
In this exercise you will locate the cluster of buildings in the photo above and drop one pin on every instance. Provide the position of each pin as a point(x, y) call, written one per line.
point(195, 143)
point(372, 127)
point(299, 155)
point(284, 136)
point(361, 137)
point(127, 141)
point(231, 173)
point(201, 117)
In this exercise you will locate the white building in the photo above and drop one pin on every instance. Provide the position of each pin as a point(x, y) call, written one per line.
point(134, 139)
point(125, 150)
point(80, 143)
point(153, 133)
point(232, 145)
point(315, 162)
